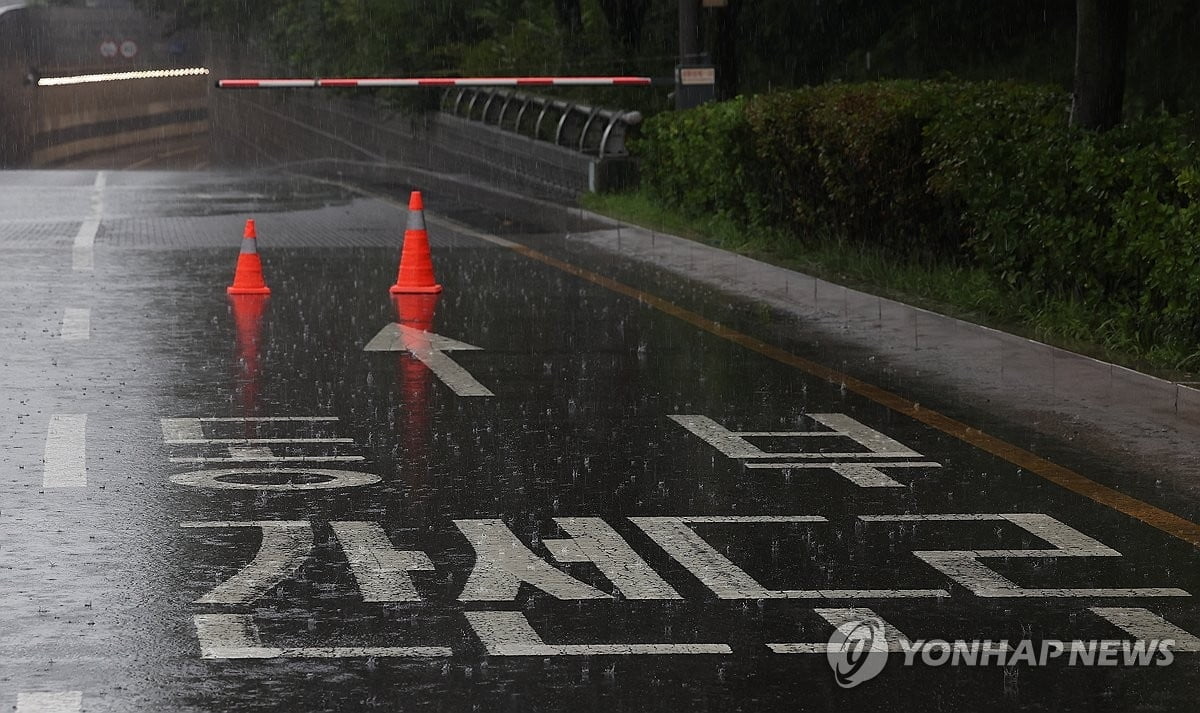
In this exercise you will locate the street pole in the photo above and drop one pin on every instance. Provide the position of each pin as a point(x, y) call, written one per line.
point(695, 89)
point(689, 31)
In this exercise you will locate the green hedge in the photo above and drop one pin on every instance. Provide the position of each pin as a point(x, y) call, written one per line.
point(984, 174)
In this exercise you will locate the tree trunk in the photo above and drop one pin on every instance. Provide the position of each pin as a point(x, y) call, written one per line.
point(1101, 35)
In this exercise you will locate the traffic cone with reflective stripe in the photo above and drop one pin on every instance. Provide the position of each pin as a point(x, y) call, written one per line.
point(248, 279)
point(416, 262)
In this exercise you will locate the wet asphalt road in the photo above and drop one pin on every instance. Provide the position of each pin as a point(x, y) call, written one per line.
point(139, 571)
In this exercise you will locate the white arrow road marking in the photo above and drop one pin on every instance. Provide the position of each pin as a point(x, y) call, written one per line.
point(428, 348)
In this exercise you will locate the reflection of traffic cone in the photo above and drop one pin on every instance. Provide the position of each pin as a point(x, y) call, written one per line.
point(247, 319)
point(248, 280)
point(415, 381)
point(415, 310)
point(416, 264)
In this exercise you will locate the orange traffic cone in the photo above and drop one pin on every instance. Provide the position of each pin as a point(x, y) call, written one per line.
point(416, 263)
point(248, 280)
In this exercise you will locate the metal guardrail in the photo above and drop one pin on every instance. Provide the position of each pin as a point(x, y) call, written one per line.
point(579, 127)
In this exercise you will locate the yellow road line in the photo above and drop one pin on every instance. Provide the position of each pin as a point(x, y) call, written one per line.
point(1156, 517)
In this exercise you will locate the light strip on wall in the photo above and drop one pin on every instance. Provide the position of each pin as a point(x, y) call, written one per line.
point(118, 76)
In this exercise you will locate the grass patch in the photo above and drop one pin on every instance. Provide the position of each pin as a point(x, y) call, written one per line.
point(964, 292)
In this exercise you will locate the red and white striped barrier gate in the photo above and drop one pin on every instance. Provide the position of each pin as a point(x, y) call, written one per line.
point(436, 82)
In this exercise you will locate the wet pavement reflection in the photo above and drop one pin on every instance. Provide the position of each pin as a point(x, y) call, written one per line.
point(644, 516)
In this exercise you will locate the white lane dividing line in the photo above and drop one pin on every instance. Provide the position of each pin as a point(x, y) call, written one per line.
point(83, 252)
point(76, 324)
point(66, 702)
point(64, 464)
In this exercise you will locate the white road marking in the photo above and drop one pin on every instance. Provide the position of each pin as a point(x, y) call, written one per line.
point(505, 633)
point(864, 475)
point(60, 702)
point(593, 540)
point(234, 636)
point(83, 250)
point(429, 348)
point(285, 546)
point(268, 459)
point(1145, 625)
point(727, 580)
point(181, 429)
point(252, 441)
point(964, 567)
point(863, 435)
point(332, 479)
point(734, 444)
point(252, 453)
point(188, 431)
point(65, 459)
point(934, 517)
point(836, 617)
point(502, 563)
point(380, 569)
point(264, 419)
point(76, 324)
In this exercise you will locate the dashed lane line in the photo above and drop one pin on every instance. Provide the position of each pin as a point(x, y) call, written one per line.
point(76, 324)
point(83, 251)
point(65, 457)
point(37, 702)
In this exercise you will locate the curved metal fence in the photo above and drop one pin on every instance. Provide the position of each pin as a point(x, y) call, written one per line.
point(589, 130)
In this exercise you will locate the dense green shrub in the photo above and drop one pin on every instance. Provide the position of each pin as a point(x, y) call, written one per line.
point(984, 173)
point(1105, 220)
point(698, 160)
point(847, 159)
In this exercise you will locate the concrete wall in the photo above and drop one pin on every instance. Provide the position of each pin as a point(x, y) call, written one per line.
point(84, 120)
point(264, 128)
point(18, 99)
point(49, 126)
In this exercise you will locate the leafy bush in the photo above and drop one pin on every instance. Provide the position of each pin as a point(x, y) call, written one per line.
point(1105, 220)
point(987, 174)
point(847, 159)
point(699, 160)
